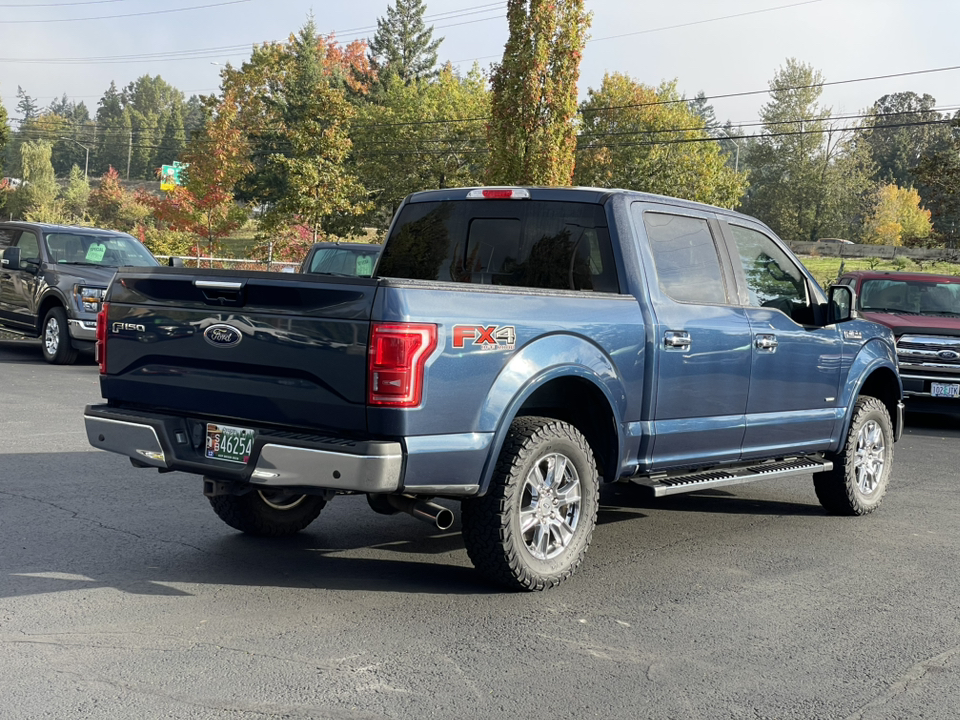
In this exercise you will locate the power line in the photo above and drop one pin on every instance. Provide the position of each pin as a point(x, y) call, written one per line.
point(21, 6)
point(125, 15)
point(201, 53)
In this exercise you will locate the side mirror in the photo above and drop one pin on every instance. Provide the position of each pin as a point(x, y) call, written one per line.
point(175, 262)
point(10, 260)
point(842, 301)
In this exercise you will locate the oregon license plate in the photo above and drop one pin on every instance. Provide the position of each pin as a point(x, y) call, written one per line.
point(945, 390)
point(225, 442)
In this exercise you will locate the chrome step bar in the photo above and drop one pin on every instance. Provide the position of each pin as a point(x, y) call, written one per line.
point(662, 485)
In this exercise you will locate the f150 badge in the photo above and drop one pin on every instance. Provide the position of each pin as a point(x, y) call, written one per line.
point(492, 337)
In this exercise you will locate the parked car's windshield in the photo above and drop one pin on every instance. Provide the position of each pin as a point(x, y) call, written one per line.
point(78, 248)
point(910, 297)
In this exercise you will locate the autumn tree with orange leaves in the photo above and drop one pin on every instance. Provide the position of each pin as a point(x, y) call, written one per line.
point(532, 135)
point(217, 158)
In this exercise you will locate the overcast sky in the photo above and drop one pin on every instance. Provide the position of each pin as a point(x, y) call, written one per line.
point(728, 47)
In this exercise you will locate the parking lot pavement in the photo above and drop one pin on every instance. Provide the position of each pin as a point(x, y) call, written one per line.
point(123, 596)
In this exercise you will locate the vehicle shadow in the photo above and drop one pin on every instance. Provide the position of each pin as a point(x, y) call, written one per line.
point(27, 351)
point(621, 499)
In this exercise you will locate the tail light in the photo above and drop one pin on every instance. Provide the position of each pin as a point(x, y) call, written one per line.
point(398, 354)
point(101, 346)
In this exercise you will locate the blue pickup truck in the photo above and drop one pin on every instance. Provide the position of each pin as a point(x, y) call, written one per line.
point(515, 348)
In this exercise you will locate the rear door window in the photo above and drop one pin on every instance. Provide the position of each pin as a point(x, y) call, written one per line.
point(685, 254)
point(519, 243)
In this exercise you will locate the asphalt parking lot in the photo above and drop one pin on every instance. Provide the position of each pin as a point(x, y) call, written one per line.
point(123, 596)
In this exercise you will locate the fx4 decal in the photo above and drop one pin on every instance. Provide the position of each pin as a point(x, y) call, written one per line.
point(493, 337)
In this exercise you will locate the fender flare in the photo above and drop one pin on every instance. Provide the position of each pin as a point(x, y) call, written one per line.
point(873, 355)
point(568, 356)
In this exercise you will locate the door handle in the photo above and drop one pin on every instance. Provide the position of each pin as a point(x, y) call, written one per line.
point(767, 343)
point(676, 340)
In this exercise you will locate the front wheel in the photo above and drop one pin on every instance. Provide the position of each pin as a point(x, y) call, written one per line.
point(268, 512)
point(55, 337)
point(532, 528)
point(861, 470)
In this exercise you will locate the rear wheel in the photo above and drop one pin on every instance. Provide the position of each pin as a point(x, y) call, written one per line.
point(532, 528)
point(55, 337)
point(861, 470)
point(269, 512)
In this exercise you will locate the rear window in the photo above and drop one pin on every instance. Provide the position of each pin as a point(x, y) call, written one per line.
point(518, 243)
point(344, 261)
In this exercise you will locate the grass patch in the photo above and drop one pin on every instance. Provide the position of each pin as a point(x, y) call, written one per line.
point(826, 269)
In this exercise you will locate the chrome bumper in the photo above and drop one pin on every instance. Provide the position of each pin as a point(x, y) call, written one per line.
point(374, 466)
point(83, 329)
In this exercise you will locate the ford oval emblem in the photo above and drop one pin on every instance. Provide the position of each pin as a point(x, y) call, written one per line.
point(948, 355)
point(222, 335)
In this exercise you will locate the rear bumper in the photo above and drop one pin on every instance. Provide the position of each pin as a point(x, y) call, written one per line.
point(278, 459)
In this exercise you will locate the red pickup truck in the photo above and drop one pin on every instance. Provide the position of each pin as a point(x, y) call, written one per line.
point(923, 310)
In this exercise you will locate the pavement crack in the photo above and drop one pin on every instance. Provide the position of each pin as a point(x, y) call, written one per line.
point(74, 515)
point(910, 678)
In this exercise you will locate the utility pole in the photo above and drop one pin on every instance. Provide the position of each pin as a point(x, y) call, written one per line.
point(129, 152)
point(86, 164)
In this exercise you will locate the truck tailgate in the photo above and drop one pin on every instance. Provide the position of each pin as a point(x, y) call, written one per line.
point(253, 346)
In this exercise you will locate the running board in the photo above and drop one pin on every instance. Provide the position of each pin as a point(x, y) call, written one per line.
point(661, 485)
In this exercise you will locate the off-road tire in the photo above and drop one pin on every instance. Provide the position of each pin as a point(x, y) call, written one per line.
point(266, 513)
point(55, 338)
point(861, 470)
point(492, 532)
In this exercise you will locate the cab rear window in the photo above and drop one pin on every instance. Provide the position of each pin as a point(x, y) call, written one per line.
point(518, 243)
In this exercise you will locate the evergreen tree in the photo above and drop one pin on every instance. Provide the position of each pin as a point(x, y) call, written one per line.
point(4, 131)
point(807, 179)
point(174, 138)
point(26, 105)
point(532, 135)
point(403, 45)
point(701, 107)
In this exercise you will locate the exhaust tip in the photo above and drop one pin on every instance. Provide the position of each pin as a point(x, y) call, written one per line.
point(444, 519)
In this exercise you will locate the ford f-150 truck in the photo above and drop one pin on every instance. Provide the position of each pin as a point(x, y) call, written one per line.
point(52, 278)
point(923, 311)
point(515, 348)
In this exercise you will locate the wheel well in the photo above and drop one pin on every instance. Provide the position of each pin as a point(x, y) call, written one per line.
point(48, 302)
point(583, 405)
point(882, 384)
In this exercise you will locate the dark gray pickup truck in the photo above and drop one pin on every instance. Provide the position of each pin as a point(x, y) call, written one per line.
point(52, 281)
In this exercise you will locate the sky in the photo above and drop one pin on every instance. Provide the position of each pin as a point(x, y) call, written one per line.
point(734, 47)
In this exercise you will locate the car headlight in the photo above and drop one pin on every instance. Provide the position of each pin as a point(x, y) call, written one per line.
point(89, 298)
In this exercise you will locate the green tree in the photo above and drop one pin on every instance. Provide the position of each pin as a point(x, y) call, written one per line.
point(532, 135)
point(807, 179)
point(403, 45)
point(938, 181)
point(293, 106)
point(422, 136)
point(75, 197)
point(900, 129)
point(26, 105)
point(4, 131)
point(174, 139)
point(36, 199)
point(643, 138)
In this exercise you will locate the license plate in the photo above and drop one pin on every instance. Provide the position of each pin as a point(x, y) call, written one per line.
point(945, 390)
point(225, 442)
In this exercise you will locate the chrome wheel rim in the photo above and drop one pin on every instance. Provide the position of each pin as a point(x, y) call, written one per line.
point(281, 499)
point(51, 336)
point(871, 457)
point(550, 506)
